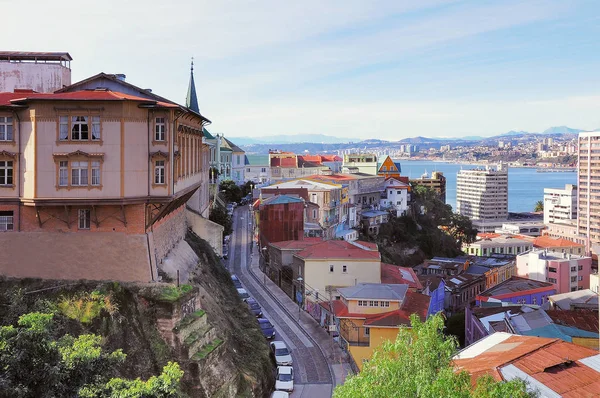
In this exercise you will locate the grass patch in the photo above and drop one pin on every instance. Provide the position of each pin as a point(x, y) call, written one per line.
point(188, 319)
point(207, 349)
point(85, 307)
point(174, 293)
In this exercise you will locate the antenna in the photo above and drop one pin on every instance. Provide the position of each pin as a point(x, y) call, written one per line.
point(192, 67)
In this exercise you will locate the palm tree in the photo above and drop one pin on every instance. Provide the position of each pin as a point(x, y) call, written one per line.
point(539, 206)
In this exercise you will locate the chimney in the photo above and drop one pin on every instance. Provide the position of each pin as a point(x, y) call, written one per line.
point(120, 76)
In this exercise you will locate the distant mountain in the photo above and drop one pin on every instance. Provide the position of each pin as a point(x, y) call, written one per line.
point(562, 130)
point(513, 132)
point(290, 139)
point(418, 140)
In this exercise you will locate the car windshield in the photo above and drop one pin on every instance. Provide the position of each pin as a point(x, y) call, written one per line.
point(265, 325)
point(282, 351)
point(285, 377)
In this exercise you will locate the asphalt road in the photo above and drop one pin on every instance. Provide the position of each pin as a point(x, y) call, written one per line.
point(312, 377)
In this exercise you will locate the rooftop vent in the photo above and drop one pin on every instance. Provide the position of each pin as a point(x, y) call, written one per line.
point(120, 76)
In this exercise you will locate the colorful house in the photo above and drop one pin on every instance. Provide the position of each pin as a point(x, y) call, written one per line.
point(371, 313)
point(518, 291)
point(388, 168)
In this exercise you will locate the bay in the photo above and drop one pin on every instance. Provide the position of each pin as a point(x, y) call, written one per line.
point(525, 185)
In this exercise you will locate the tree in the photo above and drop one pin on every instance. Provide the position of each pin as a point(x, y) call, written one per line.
point(233, 193)
point(539, 206)
point(220, 216)
point(419, 364)
point(35, 363)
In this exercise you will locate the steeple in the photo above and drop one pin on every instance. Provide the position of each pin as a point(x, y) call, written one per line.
point(191, 101)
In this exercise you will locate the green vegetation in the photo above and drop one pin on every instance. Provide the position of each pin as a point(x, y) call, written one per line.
point(220, 216)
point(539, 206)
point(37, 363)
point(432, 229)
point(233, 193)
point(189, 319)
point(419, 364)
point(174, 293)
point(207, 349)
point(85, 307)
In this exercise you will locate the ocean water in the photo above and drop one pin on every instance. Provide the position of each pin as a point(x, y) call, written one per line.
point(525, 185)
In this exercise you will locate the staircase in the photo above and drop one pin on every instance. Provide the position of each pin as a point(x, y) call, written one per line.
point(195, 338)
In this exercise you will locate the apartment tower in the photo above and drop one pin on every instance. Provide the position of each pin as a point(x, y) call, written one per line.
point(588, 195)
point(482, 195)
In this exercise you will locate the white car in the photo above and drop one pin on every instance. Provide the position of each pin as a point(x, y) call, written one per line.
point(285, 378)
point(280, 394)
point(282, 354)
point(243, 294)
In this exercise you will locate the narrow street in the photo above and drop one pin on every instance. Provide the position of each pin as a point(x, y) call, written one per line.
point(313, 375)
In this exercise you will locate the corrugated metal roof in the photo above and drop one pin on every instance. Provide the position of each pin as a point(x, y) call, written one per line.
point(374, 291)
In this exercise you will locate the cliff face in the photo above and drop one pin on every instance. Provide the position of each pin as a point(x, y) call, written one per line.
point(204, 326)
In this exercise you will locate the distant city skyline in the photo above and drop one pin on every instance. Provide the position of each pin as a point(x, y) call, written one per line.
point(355, 69)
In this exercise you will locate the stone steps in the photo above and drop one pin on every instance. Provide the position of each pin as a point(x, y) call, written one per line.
point(207, 349)
point(195, 341)
point(189, 324)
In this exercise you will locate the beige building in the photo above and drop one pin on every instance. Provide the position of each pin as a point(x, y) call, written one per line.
point(560, 204)
point(482, 195)
point(588, 199)
point(363, 163)
point(42, 72)
point(488, 244)
point(104, 170)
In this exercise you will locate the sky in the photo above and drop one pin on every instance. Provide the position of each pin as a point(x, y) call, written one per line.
point(356, 69)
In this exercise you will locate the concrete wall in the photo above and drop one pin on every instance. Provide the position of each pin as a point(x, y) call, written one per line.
point(167, 232)
point(207, 230)
point(40, 77)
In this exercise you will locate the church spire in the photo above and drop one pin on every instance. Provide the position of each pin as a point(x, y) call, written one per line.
point(191, 101)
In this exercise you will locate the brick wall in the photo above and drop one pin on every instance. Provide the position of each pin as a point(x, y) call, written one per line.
point(109, 219)
point(167, 232)
point(15, 209)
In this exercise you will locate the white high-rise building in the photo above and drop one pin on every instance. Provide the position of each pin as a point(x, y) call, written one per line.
point(560, 204)
point(588, 196)
point(482, 195)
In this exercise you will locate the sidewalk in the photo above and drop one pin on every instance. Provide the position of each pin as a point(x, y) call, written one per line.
point(336, 357)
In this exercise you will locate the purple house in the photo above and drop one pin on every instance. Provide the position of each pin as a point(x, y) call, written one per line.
point(435, 287)
point(518, 290)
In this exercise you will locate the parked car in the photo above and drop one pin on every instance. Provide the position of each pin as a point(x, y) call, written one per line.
point(281, 352)
point(280, 394)
point(230, 207)
point(243, 294)
point(225, 252)
point(284, 381)
point(254, 307)
point(267, 328)
point(236, 281)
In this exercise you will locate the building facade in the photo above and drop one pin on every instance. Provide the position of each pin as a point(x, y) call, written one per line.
point(518, 290)
point(437, 182)
point(482, 195)
point(395, 196)
point(364, 162)
point(257, 169)
point(568, 272)
point(42, 72)
point(560, 204)
point(588, 199)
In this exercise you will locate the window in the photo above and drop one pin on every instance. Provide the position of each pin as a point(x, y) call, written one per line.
point(573, 269)
point(63, 130)
point(373, 303)
point(580, 278)
point(79, 128)
point(159, 129)
point(384, 303)
point(79, 173)
point(314, 213)
point(331, 268)
point(84, 218)
point(362, 303)
point(6, 221)
point(344, 268)
point(6, 172)
point(552, 280)
point(580, 267)
point(367, 332)
point(248, 170)
point(95, 173)
point(159, 172)
point(263, 170)
point(95, 128)
point(573, 279)
point(551, 269)
point(6, 128)
point(63, 173)
point(398, 192)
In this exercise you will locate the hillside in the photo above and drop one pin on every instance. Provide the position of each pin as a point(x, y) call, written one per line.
point(203, 326)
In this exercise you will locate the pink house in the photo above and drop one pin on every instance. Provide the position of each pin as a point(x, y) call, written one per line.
point(568, 272)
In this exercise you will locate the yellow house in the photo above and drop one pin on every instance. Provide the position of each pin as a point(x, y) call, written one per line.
point(371, 313)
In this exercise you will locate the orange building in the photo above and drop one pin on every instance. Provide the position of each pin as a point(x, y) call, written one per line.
point(95, 180)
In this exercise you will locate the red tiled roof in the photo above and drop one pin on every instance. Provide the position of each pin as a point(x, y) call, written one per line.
point(84, 95)
point(296, 244)
point(337, 249)
point(553, 362)
point(288, 161)
point(487, 235)
point(394, 274)
point(547, 241)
